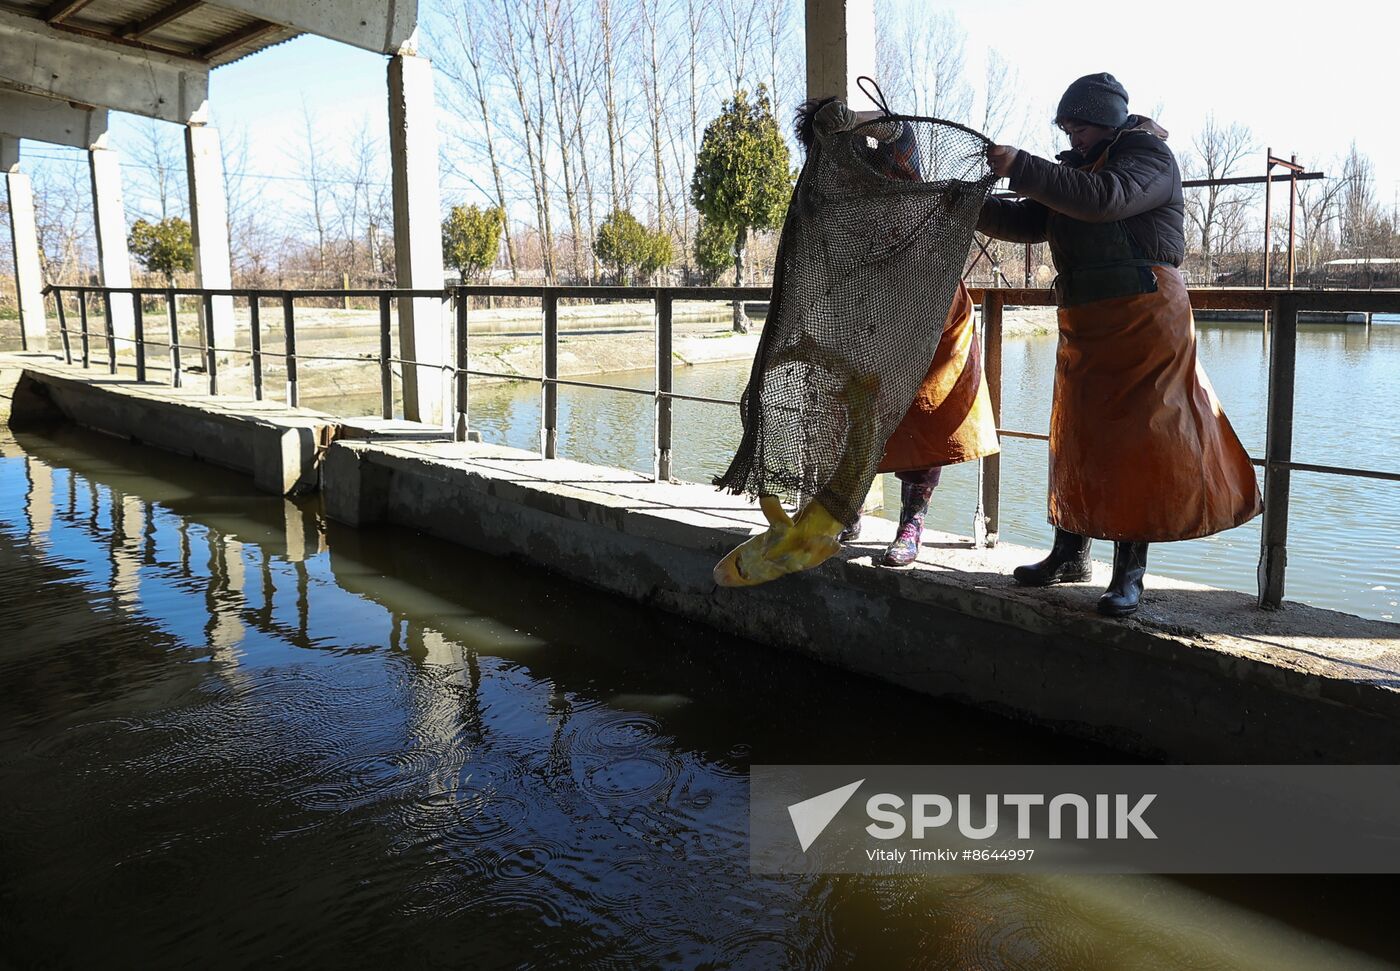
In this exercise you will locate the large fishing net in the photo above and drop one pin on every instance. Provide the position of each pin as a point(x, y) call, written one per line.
point(874, 244)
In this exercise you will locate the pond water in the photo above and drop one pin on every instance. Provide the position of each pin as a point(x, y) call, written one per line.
point(237, 734)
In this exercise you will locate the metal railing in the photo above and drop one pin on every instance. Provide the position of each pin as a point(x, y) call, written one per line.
point(1281, 309)
point(210, 352)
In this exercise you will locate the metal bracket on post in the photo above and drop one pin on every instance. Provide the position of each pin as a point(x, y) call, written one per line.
point(986, 520)
point(665, 365)
point(1278, 452)
point(550, 415)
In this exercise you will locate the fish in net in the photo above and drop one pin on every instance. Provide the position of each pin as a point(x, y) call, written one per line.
point(869, 258)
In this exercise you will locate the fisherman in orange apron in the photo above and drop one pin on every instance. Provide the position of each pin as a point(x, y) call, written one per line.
point(950, 420)
point(1140, 450)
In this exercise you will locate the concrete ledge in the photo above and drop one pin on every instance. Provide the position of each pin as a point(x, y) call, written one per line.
point(279, 447)
point(1199, 675)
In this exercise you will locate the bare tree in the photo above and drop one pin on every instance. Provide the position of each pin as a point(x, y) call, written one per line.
point(655, 97)
point(471, 90)
point(556, 20)
point(924, 61)
point(535, 39)
point(510, 37)
point(248, 244)
point(606, 10)
point(774, 17)
point(736, 21)
point(1215, 210)
point(63, 220)
point(316, 181)
point(1003, 112)
point(579, 50)
point(158, 160)
point(1358, 200)
point(1319, 215)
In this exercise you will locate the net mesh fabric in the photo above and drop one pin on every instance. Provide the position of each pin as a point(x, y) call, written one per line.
point(871, 252)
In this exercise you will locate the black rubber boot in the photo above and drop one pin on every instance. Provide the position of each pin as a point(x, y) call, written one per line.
point(1068, 562)
point(850, 534)
point(1125, 589)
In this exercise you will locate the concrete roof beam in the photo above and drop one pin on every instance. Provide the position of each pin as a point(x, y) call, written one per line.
point(55, 64)
point(48, 120)
point(369, 24)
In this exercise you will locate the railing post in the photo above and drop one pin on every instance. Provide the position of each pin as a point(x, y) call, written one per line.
point(255, 339)
point(63, 326)
point(172, 318)
point(111, 331)
point(386, 373)
point(460, 386)
point(664, 383)
point(211, 357)
point(550, 415)
point(1278, 450)
point(139, 321)
point(289, 333)
point(83, 326)
point(986, 522)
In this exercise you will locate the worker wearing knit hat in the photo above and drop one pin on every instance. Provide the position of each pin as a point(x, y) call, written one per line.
point(1140, 450)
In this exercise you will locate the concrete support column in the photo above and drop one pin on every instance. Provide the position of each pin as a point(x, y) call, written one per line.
point(209, 224)
point(840, 48)
point(109, 217)
point(29, 274)
point(417, 232)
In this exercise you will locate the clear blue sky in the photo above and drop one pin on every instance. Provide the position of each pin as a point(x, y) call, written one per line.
point(1189, 57)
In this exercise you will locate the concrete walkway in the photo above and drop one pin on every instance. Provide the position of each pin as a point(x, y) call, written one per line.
point(1199, 674)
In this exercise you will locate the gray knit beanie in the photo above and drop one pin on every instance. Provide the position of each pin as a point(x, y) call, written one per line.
point(1096, 98)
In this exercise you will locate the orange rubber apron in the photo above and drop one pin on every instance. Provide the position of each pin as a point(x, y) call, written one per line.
point(950, 420)
point(1139, 446)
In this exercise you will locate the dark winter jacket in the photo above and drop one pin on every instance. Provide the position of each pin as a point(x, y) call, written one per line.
point(1128, 213)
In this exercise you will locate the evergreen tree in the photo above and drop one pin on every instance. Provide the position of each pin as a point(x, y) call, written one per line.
point(629, 247)
point(471, 238)
point(742, 177)
point(166, 247)
point(714, 250)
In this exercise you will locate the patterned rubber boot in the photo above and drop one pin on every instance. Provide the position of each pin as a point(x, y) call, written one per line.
point(915, 491)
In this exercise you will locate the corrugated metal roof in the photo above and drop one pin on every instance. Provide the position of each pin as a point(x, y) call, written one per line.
point(203, 32)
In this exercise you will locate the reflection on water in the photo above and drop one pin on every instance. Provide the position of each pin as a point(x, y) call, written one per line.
point(1344, 533)
point(232, 729)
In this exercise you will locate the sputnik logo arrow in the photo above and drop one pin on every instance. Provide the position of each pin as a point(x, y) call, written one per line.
point(811, 816)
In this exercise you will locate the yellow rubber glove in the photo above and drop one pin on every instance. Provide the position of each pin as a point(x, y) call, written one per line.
point(785, 547)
